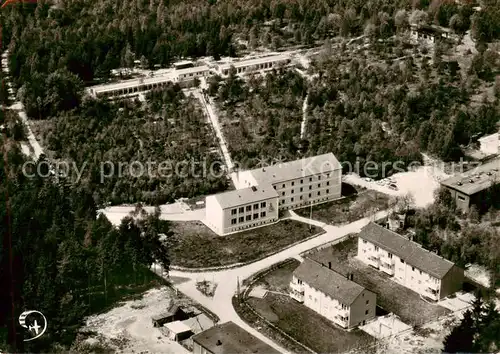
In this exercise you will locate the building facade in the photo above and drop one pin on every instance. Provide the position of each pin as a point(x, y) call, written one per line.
point(253, 65)
point(408, 263)
point(299, 183)
point(189, 74)
point(332, 295)
point(471, 187)
point(241, 209)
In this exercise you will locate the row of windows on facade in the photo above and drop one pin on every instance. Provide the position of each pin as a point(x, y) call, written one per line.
point(253, 225)
point(248, 208)
point(302, 182)
point(248, 217)
point(344, 307)
point(302, 197)
point(302, 189)
point(389, 255)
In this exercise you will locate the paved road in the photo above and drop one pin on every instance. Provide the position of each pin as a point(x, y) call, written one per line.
point(214, 120)
point(227, 280)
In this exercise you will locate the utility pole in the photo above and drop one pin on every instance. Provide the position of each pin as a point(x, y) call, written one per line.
point(238, 288)
point(310, 216)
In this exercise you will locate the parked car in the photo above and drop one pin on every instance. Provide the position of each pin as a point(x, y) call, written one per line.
point(393, 187)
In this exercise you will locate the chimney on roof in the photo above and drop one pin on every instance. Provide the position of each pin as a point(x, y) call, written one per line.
point(218, 342)
point(329, 265)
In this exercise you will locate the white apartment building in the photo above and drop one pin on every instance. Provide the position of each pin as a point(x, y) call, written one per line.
point(332, 295)
point(255, 64)
point(241, 209)
point(299, 183)
point(408, 263)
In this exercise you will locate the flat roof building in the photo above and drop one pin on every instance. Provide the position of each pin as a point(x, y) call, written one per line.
point(178, 331)
point(468, 188)
point(229, 338)
point(408, 262)
point(254, 64)
point(130, 87)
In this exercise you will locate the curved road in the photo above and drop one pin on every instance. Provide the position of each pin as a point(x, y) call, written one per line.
point(226, 280)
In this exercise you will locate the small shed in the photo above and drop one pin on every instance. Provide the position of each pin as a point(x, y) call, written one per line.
point(178, 331)
point(175, 313)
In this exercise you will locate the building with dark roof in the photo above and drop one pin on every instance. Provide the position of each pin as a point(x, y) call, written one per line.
point(261, 193)
point(470, 187)
point(408, 262)
point(332, 295)
point(241, 209)
point(430, 34)
point(311, 180)
point(229, 338)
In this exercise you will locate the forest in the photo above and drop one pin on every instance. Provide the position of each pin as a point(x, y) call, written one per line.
point(169, 130)
point(67, 261)
point(261, 118)
point(56, 48)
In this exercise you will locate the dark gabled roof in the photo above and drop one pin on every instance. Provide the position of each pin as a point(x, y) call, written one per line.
point(229, 338)
point(411, 252)
point(328, 281)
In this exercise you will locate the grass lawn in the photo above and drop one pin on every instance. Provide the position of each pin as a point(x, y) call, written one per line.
point(348, 209)
point(194, 245)
point(306, 326)
point(298, 321)
point(391, 296)
point(280, 278)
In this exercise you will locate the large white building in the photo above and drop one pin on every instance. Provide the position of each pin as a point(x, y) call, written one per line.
point(255, 64)
point(241, 209)
point(299, 183)
point(408, 263)
point(332, 295)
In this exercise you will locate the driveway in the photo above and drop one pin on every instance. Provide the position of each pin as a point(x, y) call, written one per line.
point(227, 280)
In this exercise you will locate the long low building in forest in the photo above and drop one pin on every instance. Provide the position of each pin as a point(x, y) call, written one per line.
point(255, 64)
point(135, 86)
